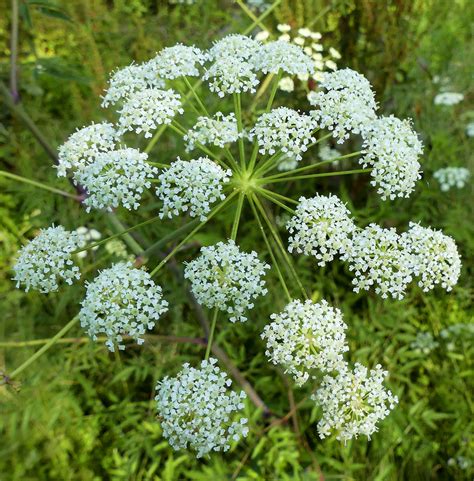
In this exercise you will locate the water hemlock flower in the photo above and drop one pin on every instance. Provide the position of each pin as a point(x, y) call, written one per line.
point(452, 177)
point(283, 129)
point(226, 278)
point(197, 409)
point(178, 61)
point(218, 130)
point(230, 75)
point(434, 257)
point(116, 178)
point(121, 301)
point(279, 56)
point(392, 148)
point(321, 227)
point(84, 145)
point(448, 98)
point(378, 258)
point(234, 46)
point(191, 186)
point(345, 103)
point(306, 336)
point(147, 109)
point(128, 80)
point(47, 259)
point(353, 402)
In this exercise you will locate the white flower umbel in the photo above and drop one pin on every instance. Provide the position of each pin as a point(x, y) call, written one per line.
point(47, 259)
point(128, 80)
point(287, 163)
point(116, 178)
point(392, 149)
point(452, 177)
point(283, 129)
point(281, 56)
point(178, 61)
point(84, 145)
point(147, 109)
point(197, 409)
point(448, 98)
point(121, 301)
point(470, 129)
point(328, 153)
point(286, 84)
point(218, 130)
point(191, 186)
point(434, 257)
point(345, 104)
point(306, 336)
point(353, 402)
point(225, 277)
point(229, 75)
point(378, 258)
point(321, 227)
point(234, 45)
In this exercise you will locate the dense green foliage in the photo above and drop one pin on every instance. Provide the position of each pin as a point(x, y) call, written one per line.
point(82, 413)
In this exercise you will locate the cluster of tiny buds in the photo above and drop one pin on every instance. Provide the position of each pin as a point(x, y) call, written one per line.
point(226, 278)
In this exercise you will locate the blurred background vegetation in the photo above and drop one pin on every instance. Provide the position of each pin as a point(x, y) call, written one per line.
point(81, 413)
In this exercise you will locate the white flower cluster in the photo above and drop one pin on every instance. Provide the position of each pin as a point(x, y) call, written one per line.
point(434, 257)
point(196, 409)
point(353, 402)
point(87, 235)
point(128, 80)
point(279, 56)
point(424, 343)
point(47, 259)
point(84, 145)
point(178, 61)
point(346, 103)
point(328, 153)
point(121, 301)
point(115, 178)
point(283, 129)
point(234, 45)
point(229, 75)
point(286, 163)
point(452, 177)
point(320, 227)
point(225, 277)
point(218, 130)
point(470, 129)
point(379, 259)
point(306, 336)
point(146, 109)
point(392, 148)
point(191, 186)
point(448, 98)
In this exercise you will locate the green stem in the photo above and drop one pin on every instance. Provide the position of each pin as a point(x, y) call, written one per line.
point(238, 114)
point(270, 180)
point(196, 229)
point(262, 17)
point(268, 195)
point(269, 163)
point(158, 164)
point(274, 90)
point(279, 242)
point(238, 212)
point(269, 247)
point(14, 53)
point(41, 351)
point(38, 184)
point(211, 333)
point(155, 138)
point(196, 96)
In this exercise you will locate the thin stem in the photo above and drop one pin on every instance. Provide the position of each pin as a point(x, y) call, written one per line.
point(318, 164)
point(273, 197)
point(158, 164)
point(238, 114)
point(39, 184)
point(262, 17)
point(155, 138)
point(211, 333)
point(281, 246)
point(270, 180)
point(209, 217)
point(276, 81)
point(41, 351)
point(238, 212)
point(269, 163)
point(270, 250)
point(119, 234)
point(196, 96)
